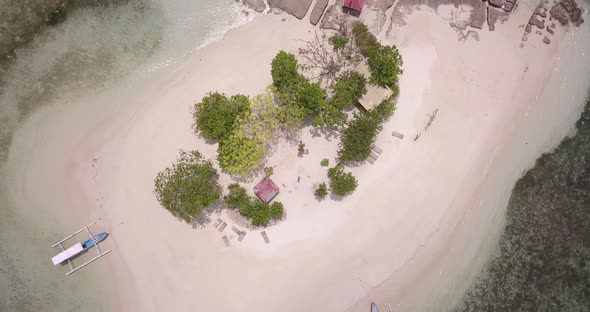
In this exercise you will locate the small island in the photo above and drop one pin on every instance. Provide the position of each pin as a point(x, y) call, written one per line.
point(340, 85)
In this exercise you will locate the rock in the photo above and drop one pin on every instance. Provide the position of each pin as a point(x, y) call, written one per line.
point(536, 22)
point(569, 5)
point(333, 17)
point(559, 13)
point(538, 32)
point(382, 5)
point(494, 16)
point(521, 45)
point(506, 5)
point(478, 16)
point(528, 28)
point(296, 8)
point(549, 30)
point(546, 40)
point(256, 5)
point(471, 34)
point(576, 16)
point(318, 10)
point(525, 37)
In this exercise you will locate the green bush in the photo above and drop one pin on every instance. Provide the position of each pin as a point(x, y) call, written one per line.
point(338, 41)
point(237, 198)
point(358, 137)
point(215, 115)
point(364, 39)
point(325, 162)
point(384, 110)
point(341, 183)
point(350, 87)
point(239, 155)
point(385, 64)
point(310, 95)
point(322, 191)
point(188, 187)
point(259, 213)
point(284, 71)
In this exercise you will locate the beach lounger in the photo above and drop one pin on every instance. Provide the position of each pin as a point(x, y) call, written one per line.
point(218, 223)
point(397, 135)
point(265, 237)
point(371, 159)
point(226, 240)
point(222, 227)
point(376, 149)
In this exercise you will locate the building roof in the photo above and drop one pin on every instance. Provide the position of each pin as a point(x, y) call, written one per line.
point(266, 190)
point(354, 4)
point(375, 94)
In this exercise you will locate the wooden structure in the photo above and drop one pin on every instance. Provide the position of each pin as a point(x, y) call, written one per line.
point(375, 94)
point(266, 190)
point(353, 7)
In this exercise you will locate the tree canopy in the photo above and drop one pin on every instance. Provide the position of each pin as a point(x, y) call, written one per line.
point(358, 137)
point(341, 183)
point(385, 63)
point(215, 115)
point(188, 187)
point(284, 70)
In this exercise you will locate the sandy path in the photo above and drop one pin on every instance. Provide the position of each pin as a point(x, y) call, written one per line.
point(400, 235)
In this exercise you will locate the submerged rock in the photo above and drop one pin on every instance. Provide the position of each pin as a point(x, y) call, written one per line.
point(256, 5)
point(545, 248)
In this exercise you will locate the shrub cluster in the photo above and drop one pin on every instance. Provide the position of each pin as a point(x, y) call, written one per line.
point(322, 191)
point(188, 187)
point(214, 116)
point(385, 62)
point(259, 213)
point(286, 78)
point(358, 137)
point(341, 183)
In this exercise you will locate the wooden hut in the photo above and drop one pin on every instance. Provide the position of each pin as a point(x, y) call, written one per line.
point(266, 190)
point(353, 7)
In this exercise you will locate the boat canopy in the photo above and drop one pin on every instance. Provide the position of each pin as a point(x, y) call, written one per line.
point(67, 254)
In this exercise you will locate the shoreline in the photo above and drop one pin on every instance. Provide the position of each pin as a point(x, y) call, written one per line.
point(114, 154)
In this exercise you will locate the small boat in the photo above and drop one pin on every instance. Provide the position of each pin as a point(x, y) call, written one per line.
point(374, 307)
point(78, 248)
point(95, 240)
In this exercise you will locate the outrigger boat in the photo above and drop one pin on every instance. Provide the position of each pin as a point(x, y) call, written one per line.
point(68, 254)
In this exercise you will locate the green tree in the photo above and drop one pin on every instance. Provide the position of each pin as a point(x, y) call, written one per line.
point(310, 95)
point(384, 110)
point(262, 122)
point(322, 191)
point(239, 155)
point(358, 137)
point(341, 183)
point(237, 198)
point(215, 115)
point(284, 70)
point(338, 41)
point(188, 187)
point(325, 162)
point(350, 87)
point(364, 39)
point(385, 63)
point(290, 113)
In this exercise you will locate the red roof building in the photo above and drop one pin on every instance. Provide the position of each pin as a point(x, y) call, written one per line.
point(266, 190)
point(353, 7)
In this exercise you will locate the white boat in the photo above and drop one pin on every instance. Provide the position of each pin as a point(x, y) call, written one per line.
point(67, 254)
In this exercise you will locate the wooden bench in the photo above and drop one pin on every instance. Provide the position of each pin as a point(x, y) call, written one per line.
point(265, 237)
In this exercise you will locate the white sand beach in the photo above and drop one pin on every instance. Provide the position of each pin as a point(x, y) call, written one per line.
point(415, 232)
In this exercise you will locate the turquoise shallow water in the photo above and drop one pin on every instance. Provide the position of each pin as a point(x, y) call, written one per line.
point(89, 52)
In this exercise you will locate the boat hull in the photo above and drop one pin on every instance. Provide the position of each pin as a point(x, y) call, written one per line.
point(95, 240)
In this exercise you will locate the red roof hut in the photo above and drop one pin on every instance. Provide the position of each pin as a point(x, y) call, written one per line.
point(266, 190)
point(353, 7)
